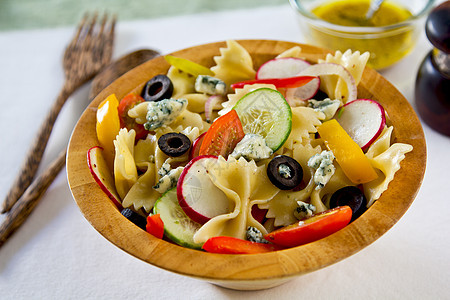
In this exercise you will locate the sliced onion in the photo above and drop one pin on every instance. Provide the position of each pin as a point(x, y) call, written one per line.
point(212, 103)
point(334, 69)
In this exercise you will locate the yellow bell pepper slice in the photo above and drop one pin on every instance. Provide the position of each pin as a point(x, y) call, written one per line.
point(188, 66)
point(355, 165)
point(108, 126)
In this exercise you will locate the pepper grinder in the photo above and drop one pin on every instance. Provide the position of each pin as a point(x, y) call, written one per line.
point(432, 90)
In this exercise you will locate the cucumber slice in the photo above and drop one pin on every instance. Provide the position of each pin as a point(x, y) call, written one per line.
point(178, 227)
point(264, 111)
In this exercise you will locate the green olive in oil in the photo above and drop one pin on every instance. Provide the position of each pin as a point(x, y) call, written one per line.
point(386, 47)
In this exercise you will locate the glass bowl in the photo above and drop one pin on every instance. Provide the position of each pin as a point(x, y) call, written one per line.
point(386, 44)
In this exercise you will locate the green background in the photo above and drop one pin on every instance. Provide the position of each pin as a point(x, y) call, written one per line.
point(27, 14)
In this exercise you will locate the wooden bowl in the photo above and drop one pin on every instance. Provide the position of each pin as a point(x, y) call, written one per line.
point(250, 271)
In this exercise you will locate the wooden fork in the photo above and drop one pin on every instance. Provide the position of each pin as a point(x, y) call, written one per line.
point(88, 52)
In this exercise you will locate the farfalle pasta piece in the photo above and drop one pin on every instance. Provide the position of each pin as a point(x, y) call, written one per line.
point(183, 83)
point(190, 119)
point(291, 52)
point(381, 143)
point(141, 194)
point(354, 62)
point(245, 185)
point(125, 171)
point(234, 64)
point(144, 152)
point(386, 159)
point(196, 102)
point(239, 93)
point(304, 122)
point(282, 206)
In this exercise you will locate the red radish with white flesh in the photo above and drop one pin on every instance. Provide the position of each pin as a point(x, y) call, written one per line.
point(363, 120)
point(285, 67)
point(281, 68)
point(102, 175)
point(303, 93)
point(195, 148)
point(334, 69)
point(197, 195)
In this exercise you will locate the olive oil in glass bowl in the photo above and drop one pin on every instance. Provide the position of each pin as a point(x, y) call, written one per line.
point(389, 35)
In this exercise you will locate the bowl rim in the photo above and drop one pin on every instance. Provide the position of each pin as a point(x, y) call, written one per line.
point(221, 268)
point(300, 9)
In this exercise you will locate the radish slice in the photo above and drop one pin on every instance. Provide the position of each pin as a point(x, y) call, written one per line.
point(295, 96)
point(281, 68)
point(363, 120)
point(334, 69)
point(102, 176)
point(195, 148)
point(289, 67)
point(199, 198)
point(212, 103)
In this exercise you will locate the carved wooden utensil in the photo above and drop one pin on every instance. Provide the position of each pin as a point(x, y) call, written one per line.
point(25, 205)
point(88, 52)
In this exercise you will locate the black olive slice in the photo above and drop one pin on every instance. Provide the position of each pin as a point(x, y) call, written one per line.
point(158, 88)
point(174, 144)
point(284, 172)
point(350, 196)
point(135, 218)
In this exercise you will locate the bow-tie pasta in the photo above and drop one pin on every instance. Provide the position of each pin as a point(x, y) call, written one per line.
point(245, 185)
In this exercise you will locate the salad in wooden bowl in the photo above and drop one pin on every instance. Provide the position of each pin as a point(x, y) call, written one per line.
point(246, 163)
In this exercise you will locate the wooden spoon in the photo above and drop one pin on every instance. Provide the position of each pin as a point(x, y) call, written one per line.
point(25, 205)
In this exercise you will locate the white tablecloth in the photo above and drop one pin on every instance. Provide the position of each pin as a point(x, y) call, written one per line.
point(58, 255)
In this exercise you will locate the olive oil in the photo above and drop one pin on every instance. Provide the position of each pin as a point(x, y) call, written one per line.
point(352, 13)
point(386, 47)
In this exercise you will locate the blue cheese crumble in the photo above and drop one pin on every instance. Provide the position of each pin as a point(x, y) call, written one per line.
point(168, 178)
point(327, 106)
point(210, 85)
point(252, 146)
point(254, 235)
point(284, 171)
point(163, 112)
point(323, 164)
point(304, 210)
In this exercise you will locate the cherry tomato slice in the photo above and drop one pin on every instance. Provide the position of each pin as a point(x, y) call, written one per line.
point(288, 82)
point(312, 229)
point(155, 226)
point(127, 103)
point(223, 135)
point(232, 245)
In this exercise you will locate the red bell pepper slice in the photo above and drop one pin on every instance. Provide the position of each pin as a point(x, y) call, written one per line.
point(232, 245)
point(311, 229)
point(155, 226)
point(288, 82)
